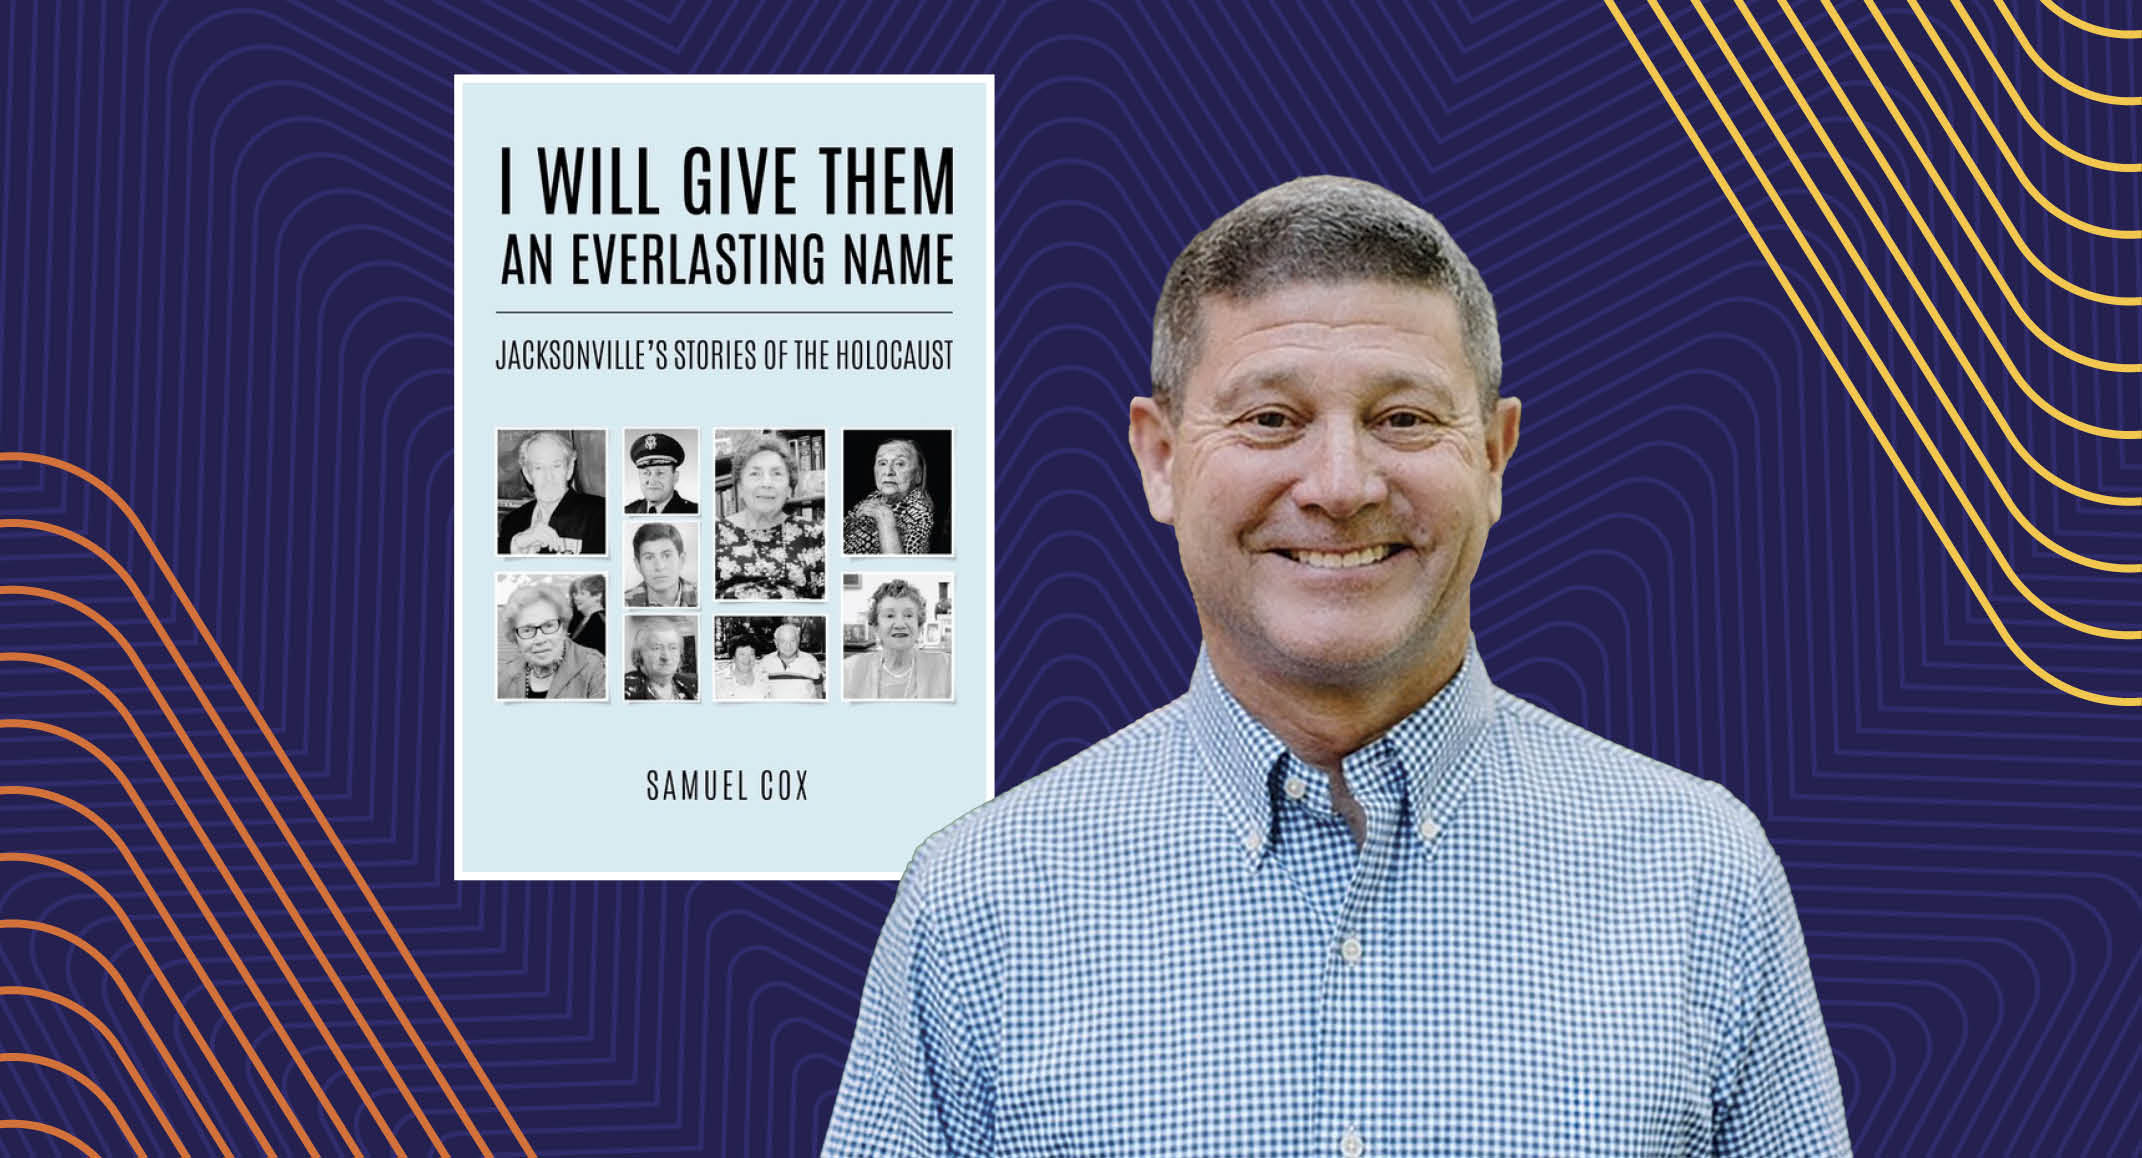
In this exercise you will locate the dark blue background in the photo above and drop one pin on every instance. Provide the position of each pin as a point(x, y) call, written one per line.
point(226, 259)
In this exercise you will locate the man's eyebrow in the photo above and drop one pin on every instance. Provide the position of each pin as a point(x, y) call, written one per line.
point(1238, 391)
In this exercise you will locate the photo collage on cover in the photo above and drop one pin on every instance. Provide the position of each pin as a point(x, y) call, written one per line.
point(622, 573)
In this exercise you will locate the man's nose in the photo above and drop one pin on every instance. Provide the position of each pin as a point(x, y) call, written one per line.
point(1342, 474)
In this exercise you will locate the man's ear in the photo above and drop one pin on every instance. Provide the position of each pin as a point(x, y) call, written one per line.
point(1501, 444)
point(1152, 443)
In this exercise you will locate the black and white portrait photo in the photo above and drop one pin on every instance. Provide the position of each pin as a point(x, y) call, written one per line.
point(770, 525)
point(537, 658)
point(896, 633)
point(770, 657)
point(550, 492)
point(661, 470)
point(662, 563)
point(665, 658)
point(896, 492)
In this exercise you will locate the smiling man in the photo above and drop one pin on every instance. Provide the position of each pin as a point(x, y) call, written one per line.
point(1344, 896)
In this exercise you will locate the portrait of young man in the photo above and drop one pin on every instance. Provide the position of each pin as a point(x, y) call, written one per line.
point(1344, 896)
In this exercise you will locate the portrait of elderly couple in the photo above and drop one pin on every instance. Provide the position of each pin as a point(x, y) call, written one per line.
point(1343, 895)
point(896, 632)
point(550, 492)
point(770, 657)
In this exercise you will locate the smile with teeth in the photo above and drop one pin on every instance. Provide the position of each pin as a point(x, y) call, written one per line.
point(1342, 560)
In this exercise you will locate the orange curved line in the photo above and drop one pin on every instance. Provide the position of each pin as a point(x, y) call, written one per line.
point(133, 1004)
point(54, 1131)
point(312, 805)
point(83, 1080)
point(200, 902)
point(245, 835)
point(140, 1083)
point(186, 878)
point(141, 946)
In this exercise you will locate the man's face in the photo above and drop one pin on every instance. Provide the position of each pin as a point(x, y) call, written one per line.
point(660, 563)
point(658, 481)
point(1331, 480)
point(785, 641)
point(661, 650)
point(548, 468)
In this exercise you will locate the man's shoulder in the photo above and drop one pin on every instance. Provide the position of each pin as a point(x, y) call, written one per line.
point(1575, 776)
point(1107, 795)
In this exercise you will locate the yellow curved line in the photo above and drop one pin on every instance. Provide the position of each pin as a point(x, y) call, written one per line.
point(312, 805)
point(2093, 29)
point(86, 1082)
point(1970, 301)
point(2031, 51)
point(2058, 145)
point(2000, 144)
point(1830, 354)
point(1918, 288)
point(1792, 155)
point(2029, 322)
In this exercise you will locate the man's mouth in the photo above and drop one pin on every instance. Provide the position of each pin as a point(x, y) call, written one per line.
point(1343, 560)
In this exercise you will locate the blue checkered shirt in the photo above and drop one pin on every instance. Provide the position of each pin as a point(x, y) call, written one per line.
point(1170, 945)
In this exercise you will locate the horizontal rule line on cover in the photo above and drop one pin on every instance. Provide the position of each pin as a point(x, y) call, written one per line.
point(774, 312)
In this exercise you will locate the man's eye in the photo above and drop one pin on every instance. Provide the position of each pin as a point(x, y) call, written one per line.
point(1405, 420)
point(1269, 420)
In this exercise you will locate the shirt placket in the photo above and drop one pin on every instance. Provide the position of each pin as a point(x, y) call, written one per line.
point(1356, 1012)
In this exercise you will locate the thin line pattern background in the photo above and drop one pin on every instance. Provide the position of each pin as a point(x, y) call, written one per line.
point(225, 250)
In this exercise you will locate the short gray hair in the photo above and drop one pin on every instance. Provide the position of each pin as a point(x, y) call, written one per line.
point(1319, 230)
point(572, 454)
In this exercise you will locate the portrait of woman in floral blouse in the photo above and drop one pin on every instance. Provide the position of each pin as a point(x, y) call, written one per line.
point(764, 549)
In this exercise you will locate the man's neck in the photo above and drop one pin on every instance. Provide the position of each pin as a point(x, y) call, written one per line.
point(1323, 723)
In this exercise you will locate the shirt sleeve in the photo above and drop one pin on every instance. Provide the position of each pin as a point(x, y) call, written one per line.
point(1779, 1095)
point(918, 1080)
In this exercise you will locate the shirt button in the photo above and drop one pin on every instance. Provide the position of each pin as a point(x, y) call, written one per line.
point(1351, 1144)
point(1350, 949)
point(1296, 787)
point(1430, 829)
point(1253, 841)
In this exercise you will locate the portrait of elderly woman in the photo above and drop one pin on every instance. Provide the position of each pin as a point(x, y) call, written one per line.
point(549, 493)
point(898, 491)
point(658, 661)
point(904, 659)
point(770, 542)
point(537, 658)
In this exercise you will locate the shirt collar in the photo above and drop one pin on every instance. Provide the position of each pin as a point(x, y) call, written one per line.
point(1240, 756)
